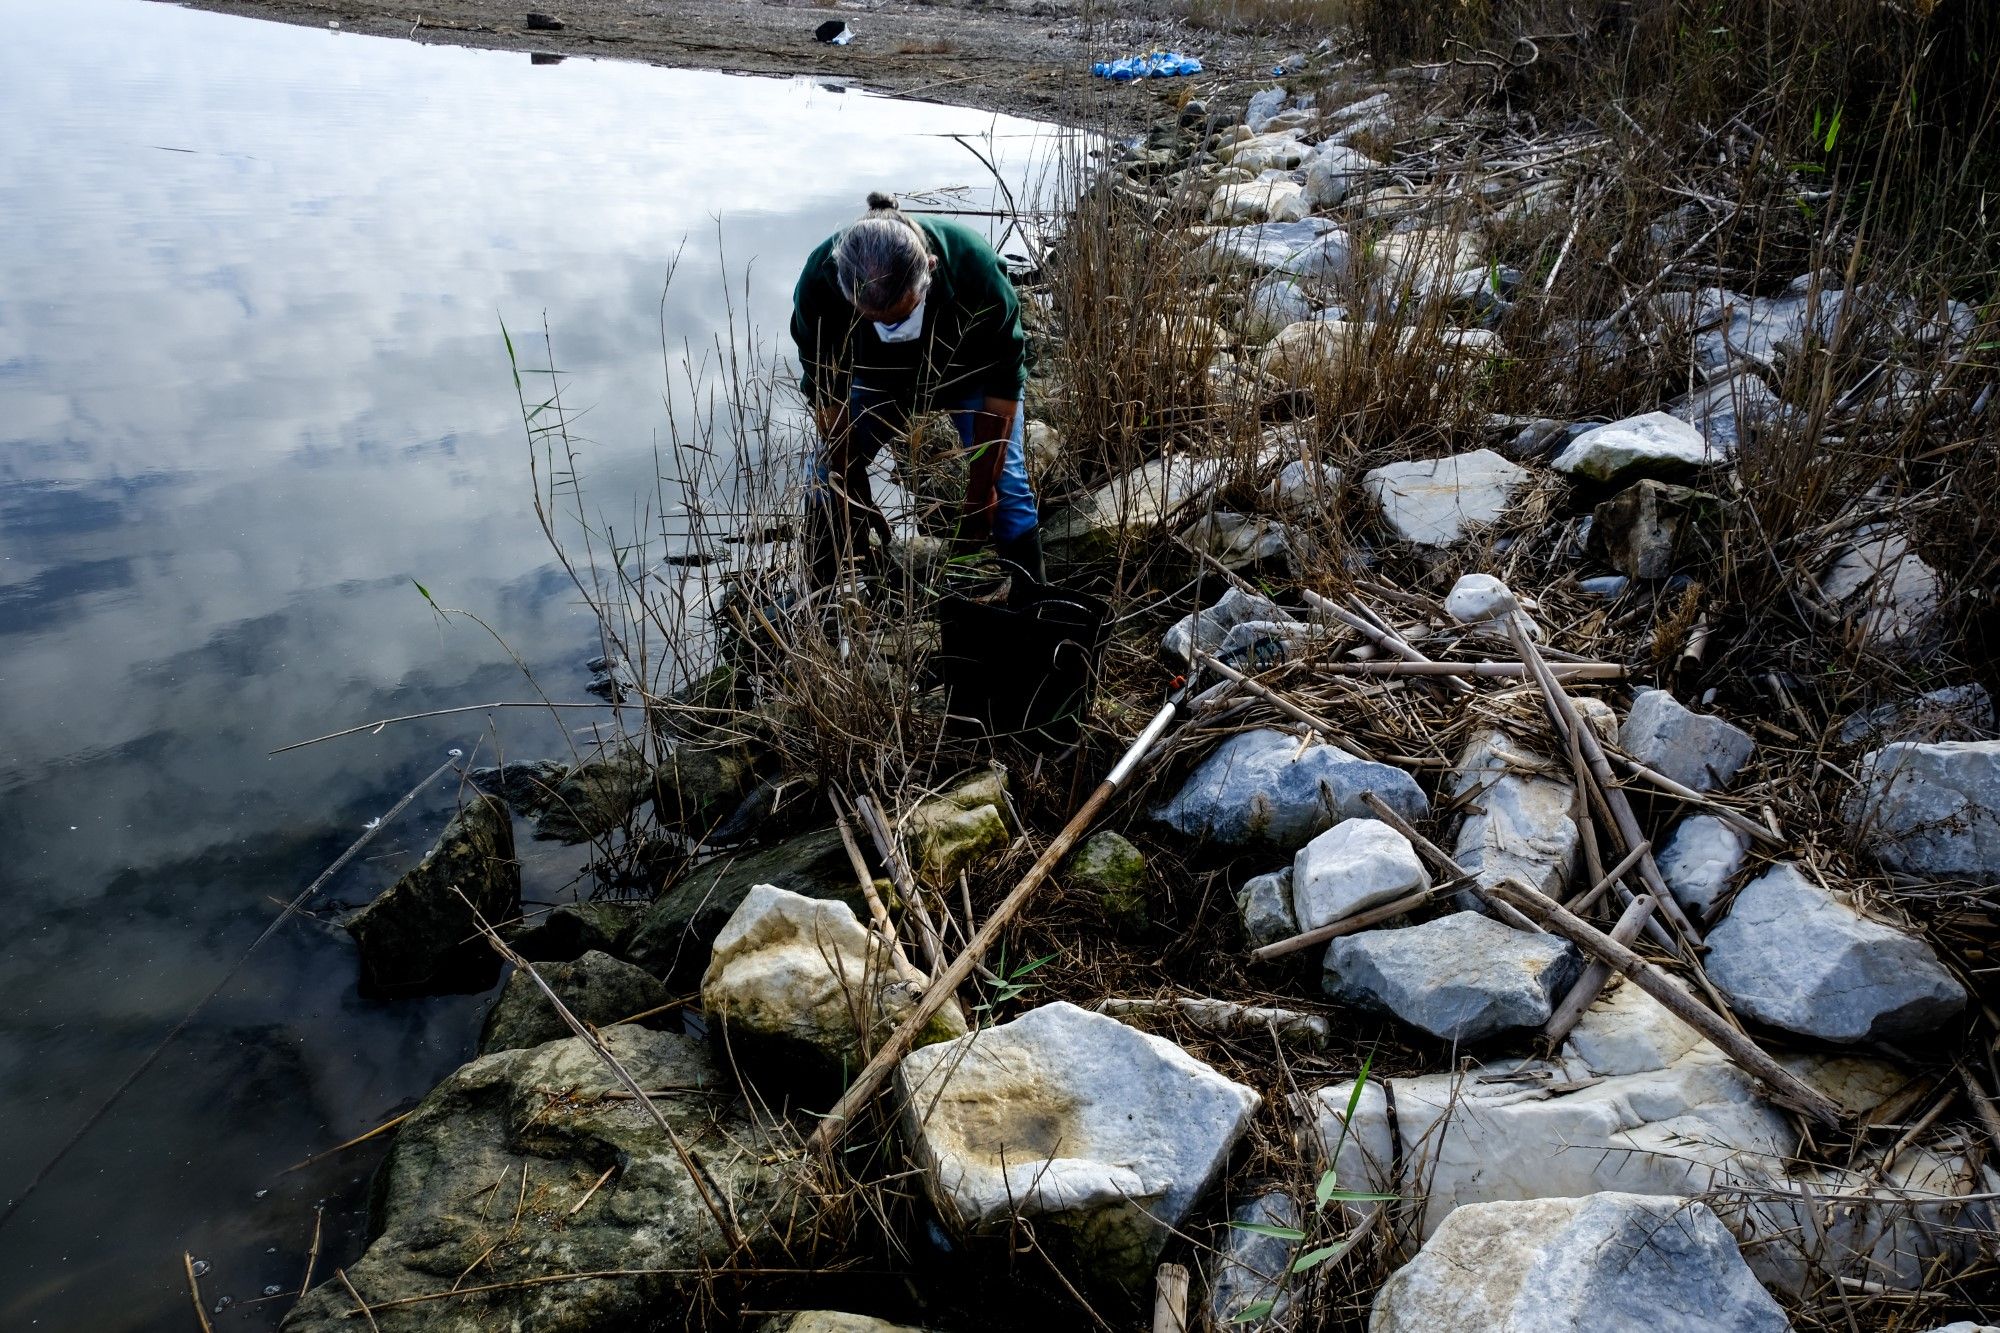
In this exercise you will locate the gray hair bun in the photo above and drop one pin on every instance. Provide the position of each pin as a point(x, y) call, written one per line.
point(883, 257)
point(879, 202)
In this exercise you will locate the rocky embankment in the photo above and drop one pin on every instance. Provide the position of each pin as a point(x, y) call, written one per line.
point(1672, 1039)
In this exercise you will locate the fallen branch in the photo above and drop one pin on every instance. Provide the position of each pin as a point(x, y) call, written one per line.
point(1226, 1016)
point(1785, 1086)
point(1597, 975)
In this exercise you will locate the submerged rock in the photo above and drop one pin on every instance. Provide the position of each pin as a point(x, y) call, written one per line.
point(1697, 750)
point(1437, 501)
point(1651, 445)
point(1353, 866)
point(1558, 1265)
point(798, 981)
point(1263, 789)
point(597, 988)
point(1462, 977)
point(482, 1183)
point(1931, 809)
point(594, 797)
point(1791, 955)
point(1105, 1135)
point(418, 937)
point(673, 938)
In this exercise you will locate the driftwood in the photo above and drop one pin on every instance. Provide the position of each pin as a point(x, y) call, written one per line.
point(1347, 925)
point(1785, 1087)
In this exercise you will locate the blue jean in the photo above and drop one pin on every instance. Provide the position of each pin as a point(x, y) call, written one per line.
point(880, 419)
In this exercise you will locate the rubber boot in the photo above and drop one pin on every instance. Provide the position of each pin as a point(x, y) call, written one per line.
point(1023, 555)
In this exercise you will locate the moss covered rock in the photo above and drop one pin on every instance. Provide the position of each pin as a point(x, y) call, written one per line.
point(597, 988)
point(418, 937)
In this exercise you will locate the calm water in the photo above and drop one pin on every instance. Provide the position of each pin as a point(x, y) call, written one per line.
point(251, 386)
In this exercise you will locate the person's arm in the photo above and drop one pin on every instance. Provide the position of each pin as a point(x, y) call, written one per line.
point(992, 430)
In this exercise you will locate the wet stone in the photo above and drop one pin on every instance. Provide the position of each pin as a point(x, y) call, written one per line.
point(419, 937)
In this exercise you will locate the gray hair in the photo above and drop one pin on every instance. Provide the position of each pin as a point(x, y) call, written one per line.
point(883, 257)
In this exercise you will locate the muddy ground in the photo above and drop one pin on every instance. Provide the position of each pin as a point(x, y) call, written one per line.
point(1028, 57)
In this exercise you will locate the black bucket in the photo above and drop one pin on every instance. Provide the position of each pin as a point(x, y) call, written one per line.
point(1025, 667)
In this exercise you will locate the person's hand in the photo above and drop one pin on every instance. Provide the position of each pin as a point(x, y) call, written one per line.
point(992, 431)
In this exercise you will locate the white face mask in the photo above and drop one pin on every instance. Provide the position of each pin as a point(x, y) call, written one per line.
point(908, 330)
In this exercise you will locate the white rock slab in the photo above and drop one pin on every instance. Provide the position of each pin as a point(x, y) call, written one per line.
point(1258, 201)
point(1604, 1261)
point(1108, 1134)
point(1282, 150)
point(1516, 825)
point(803, 973)
point(1435, 502)
point(1792, 955)
point(1326, 347)
point(1697, 750)
point(1652, 445)
point(1700, 861)
point(1262, 788)
point(1305, 488)
point(1205, 629)
point(1350, 868)
point(1333, 170)
point(1460, 978)
point(1266, 245)
point(1886, 590)
point(1932, 809)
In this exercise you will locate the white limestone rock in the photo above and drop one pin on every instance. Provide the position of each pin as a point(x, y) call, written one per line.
point(1604, 1261)
point(1697, 750)
point(1258, 201)
point(1931, 809)
point(1435, 502)
point(1460, 978)
point(1325, 348)
point(1478, 598)
point(1791, 955)
point(1251, 1267)
point(800, 976)
point(1517, 824)
point(1262, 788)
point(1641, 1103)
point(1353, 866)
point(1885, 589)
point(1207, 628)
point(1283, 151)
point(1106, 1135)
point(1304, 488)
point(1268, 245)
point(1650, 445)
point(1727, 409)
point(1951, 713)
point(1700, 861)
point(1276, 302)
point(1333, 170)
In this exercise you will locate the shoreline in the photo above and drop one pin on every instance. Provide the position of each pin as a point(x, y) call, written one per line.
point(1032, 63)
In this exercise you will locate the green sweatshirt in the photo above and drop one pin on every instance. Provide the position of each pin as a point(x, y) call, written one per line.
point(972, 344)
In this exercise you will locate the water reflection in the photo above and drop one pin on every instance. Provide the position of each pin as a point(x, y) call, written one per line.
point(251, 385)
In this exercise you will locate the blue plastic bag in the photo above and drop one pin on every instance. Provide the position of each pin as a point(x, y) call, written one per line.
point(1152, 65)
